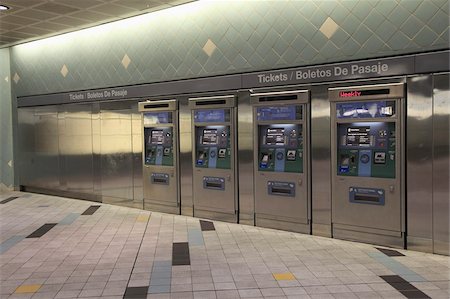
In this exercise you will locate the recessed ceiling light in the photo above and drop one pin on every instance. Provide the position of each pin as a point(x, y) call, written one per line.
point(3, 7)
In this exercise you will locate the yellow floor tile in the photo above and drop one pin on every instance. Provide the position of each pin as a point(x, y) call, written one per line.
point(283, 276)
point(31, 288)
point(142, 218)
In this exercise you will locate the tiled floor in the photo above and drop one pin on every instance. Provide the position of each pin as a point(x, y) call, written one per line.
point(116, 252)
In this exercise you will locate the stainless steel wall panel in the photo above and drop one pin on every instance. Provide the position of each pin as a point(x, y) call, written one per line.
point(76, 148)
point(441, 164)
point(185, 141)
point(45, 165)
point(419, 166)
point(26, 149)
point(96, 150)
point(245, 159)
point(320, 161)
point(116, 153)
point(136, 144)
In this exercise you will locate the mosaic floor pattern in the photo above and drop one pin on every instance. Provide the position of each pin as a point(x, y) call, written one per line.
point(54, 247)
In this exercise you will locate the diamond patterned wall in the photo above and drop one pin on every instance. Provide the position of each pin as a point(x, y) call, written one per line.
point(212, 38)
point(6, 146)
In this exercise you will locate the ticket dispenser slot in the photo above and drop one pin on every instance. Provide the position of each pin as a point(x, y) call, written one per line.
point(214, 161)
point(280, 159)
point(367, 196)
point(160, 155)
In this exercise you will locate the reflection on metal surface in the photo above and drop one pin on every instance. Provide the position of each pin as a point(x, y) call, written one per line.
point(320, 161)
point(185, 141)
point(245, 159)
point(419, 153)
point(441, 164)
point(116, 152)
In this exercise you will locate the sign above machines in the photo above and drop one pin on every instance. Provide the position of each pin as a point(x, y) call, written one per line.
point(331, 72)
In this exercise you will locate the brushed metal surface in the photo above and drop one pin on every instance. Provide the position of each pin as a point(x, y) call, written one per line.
point(75, 148)
point(116, 153)
point(45, 166)
point(96, 150)
point(136, 144)
point(419, 164)
point(25, 142)
point(320, 161)
point(245, 159)
point(185, 141)
point(441, 163)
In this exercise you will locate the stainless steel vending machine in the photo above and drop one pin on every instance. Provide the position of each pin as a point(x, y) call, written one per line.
point(367, 163)
point(281, 163)
point(160, 156)
point(214, 157)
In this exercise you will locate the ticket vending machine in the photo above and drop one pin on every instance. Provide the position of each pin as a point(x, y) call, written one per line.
point(214, 157)
point(367, 164)
point(160, 156)
point(281, 163)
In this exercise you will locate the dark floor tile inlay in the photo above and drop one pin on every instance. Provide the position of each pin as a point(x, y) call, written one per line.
point(91, 210)
point(8, 199)
point(42, 230)
point(390, 252)
point(404, 287)
point(180, 254)
point(135, 293)
point(207, 225)
point(414, 294)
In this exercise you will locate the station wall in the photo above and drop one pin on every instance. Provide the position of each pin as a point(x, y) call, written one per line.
point(207, 38)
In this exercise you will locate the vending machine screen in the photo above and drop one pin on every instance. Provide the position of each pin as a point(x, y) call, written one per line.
point(366, 149)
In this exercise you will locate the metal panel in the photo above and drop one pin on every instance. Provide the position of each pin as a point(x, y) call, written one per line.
point(245, 159)
point(441, 163)
point(419, 153)
point(186, 171)
point(136, 144)
point(75, 144)
point(26, 150)
point(45, 166)
point(116, 153)
point(320, 161)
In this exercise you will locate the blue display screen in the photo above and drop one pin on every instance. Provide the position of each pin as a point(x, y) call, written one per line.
point(369, 109)
point(267, 113)
point(211, 115)
point(157, 118)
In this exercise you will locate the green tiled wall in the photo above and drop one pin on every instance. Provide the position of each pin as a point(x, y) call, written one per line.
point(249, 36)
point(6, 146)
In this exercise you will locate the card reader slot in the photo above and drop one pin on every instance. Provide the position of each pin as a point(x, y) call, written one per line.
point(366, 197)
point(213, 185)
point(283, 191)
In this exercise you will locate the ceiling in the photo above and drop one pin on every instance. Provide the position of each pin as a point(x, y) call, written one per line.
point(29, 20)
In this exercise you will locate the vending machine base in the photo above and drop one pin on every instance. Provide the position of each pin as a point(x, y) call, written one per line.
point(283, 224)
point(368, 235)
